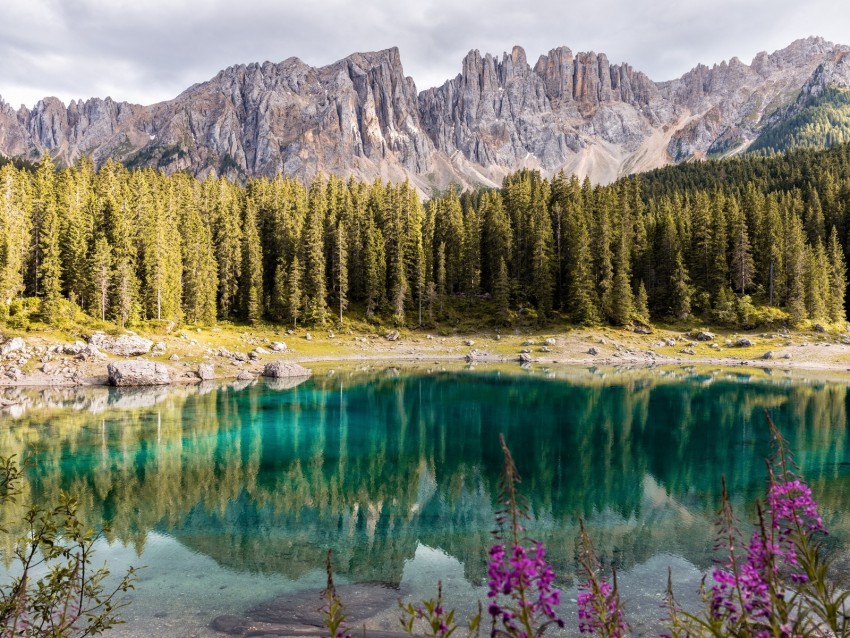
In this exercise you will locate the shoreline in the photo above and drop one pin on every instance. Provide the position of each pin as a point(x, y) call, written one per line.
point(223, 352)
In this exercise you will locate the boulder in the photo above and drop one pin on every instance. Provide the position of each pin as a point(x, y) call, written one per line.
point(469, 343)
point(818, 328)
point(743, 342)
point(158, 349)
point(244, 375)
point(137, 373)
point(687, 351)
point(642, 330)
point(704, 336)
point(551, 341)
point(768, 355)
point(260, 350)
point(392, 335)
point(206, 372)
point(278, 346)
point(285, 370)
point(123, 345)
point(524, 357)
point(592, 351)
point(15, 344)
point(308, 337)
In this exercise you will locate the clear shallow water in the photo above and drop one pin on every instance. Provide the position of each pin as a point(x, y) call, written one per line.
point(230, 495)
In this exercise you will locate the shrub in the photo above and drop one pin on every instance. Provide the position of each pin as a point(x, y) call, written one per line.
point(70, 599)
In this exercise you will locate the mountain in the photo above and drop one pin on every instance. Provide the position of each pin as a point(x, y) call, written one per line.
point(362, 116)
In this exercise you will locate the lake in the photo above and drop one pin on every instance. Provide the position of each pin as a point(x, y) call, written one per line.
point(230, 495)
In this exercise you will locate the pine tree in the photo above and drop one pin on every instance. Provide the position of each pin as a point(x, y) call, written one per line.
point(48, 257)
point(837, 279)
point(15, 228)
point(743, 266)
point(375, 275)
point(580, 302)
point(501, 294)
point(680, 298)
point(200, 271)
point(642, 303)
point(441, 275)
point(295, 297)
point(621, 302)
point(251, 284)
point(315, 292)
point(795, 260)
point(100, 275)
point(227, 240)
point(341, 267)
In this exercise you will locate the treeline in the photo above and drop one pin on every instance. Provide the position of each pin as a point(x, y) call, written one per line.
point(740, 242)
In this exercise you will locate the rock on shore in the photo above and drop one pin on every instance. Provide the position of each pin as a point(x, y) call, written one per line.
point(137, 373)
point(123, 345)
point(285, 370)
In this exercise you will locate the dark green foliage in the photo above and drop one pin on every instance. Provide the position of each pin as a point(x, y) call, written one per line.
point(821, 121)
point(719, 240)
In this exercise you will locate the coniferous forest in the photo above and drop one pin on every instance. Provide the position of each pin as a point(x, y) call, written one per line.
point(747, 241)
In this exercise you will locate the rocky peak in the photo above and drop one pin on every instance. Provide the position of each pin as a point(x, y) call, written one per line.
point(362, 116)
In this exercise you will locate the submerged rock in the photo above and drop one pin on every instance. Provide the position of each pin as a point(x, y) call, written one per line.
point(137, 373)
point(299, 614)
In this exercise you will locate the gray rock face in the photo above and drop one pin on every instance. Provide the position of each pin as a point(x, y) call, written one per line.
point(122, 346)
point(361, 116)
point(285, 369)
point(15, 344)
point(137, 373)
point(206, 372)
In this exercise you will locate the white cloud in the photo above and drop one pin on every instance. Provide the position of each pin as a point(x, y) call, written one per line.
point(145, 51)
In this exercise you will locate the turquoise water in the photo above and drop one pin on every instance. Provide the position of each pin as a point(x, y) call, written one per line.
point(231, 495)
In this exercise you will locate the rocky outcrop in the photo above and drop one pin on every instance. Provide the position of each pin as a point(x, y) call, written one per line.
point(123, 345)
point(361, 116)
point(137, 373)
point(285, 370)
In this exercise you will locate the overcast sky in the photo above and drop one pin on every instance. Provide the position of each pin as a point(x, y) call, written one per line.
point(145, 51)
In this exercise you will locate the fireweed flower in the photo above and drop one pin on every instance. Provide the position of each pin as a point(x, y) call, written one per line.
point(526, 579)
point(600, 610)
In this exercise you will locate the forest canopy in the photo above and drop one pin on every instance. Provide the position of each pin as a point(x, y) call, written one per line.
point(745, 241)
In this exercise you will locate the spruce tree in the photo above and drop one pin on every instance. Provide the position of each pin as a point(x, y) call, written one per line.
point(251, 283)
point(48, 257)
point(314, 289)
point(100, 275)
point(502, 293)
point(341, 268)
point(15, 228)
point(743, 265)
point(680, 289)
point(294, 295)
point(621, 302)
point(837, 279)
point(642, 303)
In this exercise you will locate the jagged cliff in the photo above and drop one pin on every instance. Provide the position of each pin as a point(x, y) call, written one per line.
point(361, 116)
